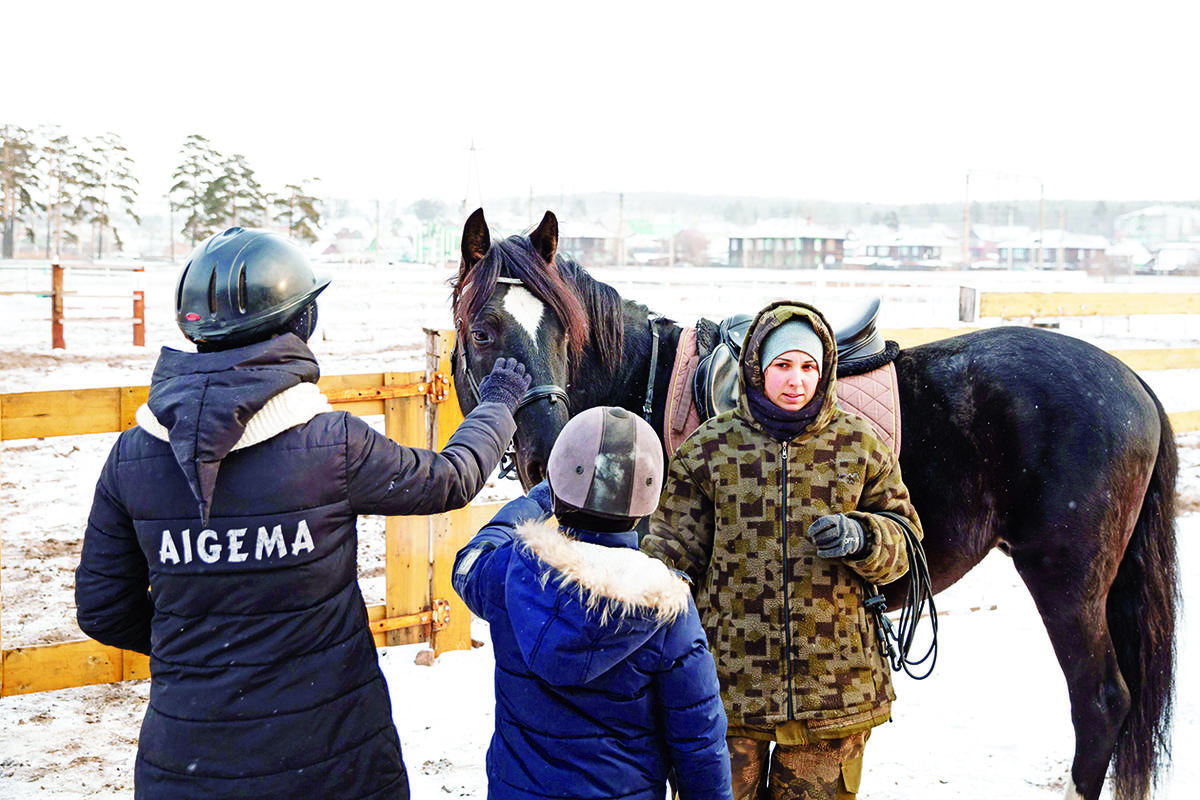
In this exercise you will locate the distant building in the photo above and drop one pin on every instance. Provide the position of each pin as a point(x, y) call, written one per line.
point(1156, 225)
point(1177, 258)
point(880, 247)
point(1059, 250)
point(1128, 257)
point(589, 243)
point(786, 243)
point(987, 239)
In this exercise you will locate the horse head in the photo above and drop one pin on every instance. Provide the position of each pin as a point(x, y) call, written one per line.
point(511, 300)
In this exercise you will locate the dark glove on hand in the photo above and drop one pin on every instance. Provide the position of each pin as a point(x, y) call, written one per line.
point(540, 494)
point(505, 384)
point(837, 536)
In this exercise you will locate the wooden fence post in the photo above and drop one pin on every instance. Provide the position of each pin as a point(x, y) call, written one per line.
point(406, 570)
point(448, 532)
point(56, 308)
point(139, 318)
point(1, 558)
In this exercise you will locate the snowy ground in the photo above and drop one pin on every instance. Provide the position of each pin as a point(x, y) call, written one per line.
point(992, 722)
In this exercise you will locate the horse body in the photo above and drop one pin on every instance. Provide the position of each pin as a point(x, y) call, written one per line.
point(1017, 438)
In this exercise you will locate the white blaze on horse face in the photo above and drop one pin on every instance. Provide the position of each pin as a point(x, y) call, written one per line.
point(526, 309)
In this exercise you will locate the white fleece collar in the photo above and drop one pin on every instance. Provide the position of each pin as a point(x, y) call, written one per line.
point(289, 408)
point(629, 580)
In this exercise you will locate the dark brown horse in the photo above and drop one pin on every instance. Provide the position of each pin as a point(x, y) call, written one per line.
point(1023, 439)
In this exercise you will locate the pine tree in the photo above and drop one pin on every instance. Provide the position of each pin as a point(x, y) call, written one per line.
point(18, 180)
point(194, 191)
point(116, 188)
point(298, 210)
point(71, 178)
point(238, 197)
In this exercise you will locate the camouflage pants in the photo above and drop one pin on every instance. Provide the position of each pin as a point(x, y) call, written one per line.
point(826, 769)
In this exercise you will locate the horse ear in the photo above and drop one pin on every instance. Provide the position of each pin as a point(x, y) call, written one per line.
point(475, 238)
point(545, 238)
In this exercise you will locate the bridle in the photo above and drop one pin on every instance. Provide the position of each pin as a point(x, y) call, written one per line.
point(550, 392)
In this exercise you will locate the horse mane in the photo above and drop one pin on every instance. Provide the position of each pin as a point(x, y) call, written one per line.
point(589, 311)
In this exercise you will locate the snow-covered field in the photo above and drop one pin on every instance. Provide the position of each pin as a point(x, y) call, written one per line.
point(992, 722)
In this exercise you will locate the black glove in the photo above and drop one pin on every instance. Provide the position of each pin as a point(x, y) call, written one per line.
point(506, 383)
point(837, 536)
point(540, 494)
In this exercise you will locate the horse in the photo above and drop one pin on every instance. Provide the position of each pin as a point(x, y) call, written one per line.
point(1016, 438)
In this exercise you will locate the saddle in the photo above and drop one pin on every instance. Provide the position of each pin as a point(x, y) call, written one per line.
point(709, 354)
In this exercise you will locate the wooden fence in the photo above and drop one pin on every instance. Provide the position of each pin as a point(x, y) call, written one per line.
point(58, 296)
point(418, 409)
point(974, 305)
point(420, 605)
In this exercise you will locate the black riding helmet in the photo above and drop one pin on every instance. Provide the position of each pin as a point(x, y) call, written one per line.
point(241, 286)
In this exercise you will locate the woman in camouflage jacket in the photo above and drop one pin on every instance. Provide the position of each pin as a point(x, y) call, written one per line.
point(771, 511)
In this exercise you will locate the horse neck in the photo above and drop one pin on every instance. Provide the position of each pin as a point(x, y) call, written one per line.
point(626, 386)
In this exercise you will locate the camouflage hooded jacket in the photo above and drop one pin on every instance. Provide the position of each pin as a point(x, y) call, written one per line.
point(791, 637)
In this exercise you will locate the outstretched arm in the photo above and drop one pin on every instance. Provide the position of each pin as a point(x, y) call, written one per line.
point(384, 477)
point(473, 560)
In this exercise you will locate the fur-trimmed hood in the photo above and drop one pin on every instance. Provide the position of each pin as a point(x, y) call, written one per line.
point(578, 608)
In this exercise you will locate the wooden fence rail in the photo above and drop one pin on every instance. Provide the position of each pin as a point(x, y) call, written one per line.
point(420, 604)
point(58, 295)
point(974, 305)
point(418, 409)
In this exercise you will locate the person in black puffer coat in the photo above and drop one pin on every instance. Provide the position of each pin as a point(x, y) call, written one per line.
point(235, 501)
point(604, 683)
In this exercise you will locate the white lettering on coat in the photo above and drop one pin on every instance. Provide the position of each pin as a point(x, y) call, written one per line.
point(234, 538)
point(269, 544)
point(303, 540)
point(266, 544)
point(166, 551)
point(209, 553)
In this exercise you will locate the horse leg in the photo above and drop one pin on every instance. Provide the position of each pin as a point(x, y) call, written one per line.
point(1080, 637)
point(1068, 557)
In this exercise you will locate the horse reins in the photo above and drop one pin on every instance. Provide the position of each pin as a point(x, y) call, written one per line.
point(550, 391)
point(648, 404)
point(898, 641)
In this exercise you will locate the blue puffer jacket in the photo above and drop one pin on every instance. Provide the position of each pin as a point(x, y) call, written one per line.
point(604, 682)
point(235, 501)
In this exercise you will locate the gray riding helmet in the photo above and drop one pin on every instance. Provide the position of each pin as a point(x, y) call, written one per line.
point(241, 285)
point(607, 462)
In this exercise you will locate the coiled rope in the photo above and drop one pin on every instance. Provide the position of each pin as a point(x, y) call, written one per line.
point(897, 641)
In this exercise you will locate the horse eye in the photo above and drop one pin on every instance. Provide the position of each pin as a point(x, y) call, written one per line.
point(480, 337)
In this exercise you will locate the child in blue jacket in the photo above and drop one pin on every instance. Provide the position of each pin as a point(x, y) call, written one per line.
point(604, 681)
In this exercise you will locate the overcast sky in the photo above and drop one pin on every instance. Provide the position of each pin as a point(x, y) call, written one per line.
point(881, 102)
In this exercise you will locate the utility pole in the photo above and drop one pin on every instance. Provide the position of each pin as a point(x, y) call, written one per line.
point(1041, 223)
point(1062, 236)
point(472, 169)
point(621, 229)
point(171, 226)
point(1011, 210)
point(966, 242)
